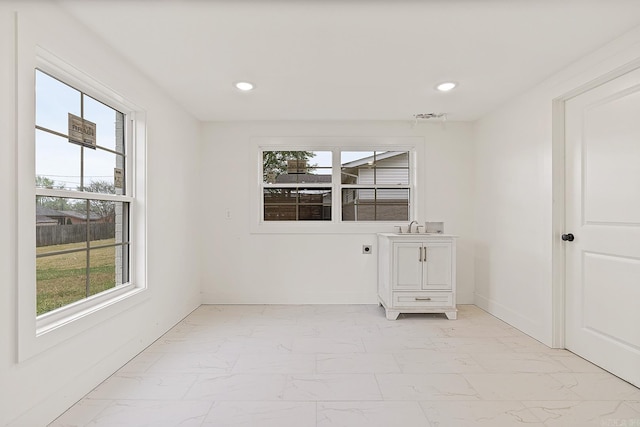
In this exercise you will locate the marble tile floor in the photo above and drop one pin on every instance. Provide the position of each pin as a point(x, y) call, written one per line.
point(346, 365)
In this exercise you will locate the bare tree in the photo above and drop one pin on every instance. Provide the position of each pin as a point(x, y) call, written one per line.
point(104, 209)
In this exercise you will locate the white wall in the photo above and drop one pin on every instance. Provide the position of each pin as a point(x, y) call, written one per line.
point(241, 267)
point(504, 246)
point(513, 194)
point(35, 391)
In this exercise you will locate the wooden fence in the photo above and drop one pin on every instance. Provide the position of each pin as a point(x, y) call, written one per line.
point(47, 235)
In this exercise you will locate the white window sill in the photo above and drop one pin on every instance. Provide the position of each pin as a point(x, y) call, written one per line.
point(60, 325)
point(325, 227)
point(71, 313)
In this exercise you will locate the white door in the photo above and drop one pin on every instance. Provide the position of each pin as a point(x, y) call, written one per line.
point(603, 214)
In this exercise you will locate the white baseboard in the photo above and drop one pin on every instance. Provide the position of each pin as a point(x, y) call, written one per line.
point(46, 411)
point(528, 326)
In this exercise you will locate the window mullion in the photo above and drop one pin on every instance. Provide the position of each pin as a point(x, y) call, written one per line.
point(336, 183)
point(70, 194)
point(82, 147)
point(88, 270)
point(298, 185)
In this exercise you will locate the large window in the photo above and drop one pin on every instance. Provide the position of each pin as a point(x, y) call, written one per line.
point(82, 202)
point(336, 185)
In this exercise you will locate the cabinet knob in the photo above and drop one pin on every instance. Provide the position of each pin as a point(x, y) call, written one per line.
point(568, 237)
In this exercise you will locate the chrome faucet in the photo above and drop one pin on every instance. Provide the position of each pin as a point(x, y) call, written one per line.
point(410, 224)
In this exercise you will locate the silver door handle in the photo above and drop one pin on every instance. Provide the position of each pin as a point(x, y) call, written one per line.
point(422, 299)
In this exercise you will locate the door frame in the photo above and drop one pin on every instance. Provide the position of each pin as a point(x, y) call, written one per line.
point(558, 194)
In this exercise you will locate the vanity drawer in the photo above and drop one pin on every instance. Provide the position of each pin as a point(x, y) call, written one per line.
point(422, 299)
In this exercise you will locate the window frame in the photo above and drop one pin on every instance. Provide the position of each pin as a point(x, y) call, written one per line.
point(413, 145)
point(39, 333)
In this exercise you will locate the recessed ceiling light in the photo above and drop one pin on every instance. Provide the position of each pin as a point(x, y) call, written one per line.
point(446, 86)
point(244, 86)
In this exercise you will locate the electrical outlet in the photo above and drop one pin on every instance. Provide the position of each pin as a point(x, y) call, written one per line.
point(367, 249)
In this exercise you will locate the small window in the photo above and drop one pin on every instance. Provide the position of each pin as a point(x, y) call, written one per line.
point(82, 205)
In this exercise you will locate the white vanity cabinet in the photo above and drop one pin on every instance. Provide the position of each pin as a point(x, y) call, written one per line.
point(417, 274)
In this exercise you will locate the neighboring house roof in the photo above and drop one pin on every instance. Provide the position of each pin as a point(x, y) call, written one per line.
point(302, 178)
point(42, 211)
point(79, 215)
point(367, 160)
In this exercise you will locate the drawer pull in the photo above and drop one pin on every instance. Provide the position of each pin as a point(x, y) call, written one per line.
point(422, 299)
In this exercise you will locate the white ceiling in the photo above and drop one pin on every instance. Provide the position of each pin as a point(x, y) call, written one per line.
point(352, 59)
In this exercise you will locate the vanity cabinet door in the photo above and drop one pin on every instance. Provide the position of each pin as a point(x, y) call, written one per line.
point(437, 266)
point(408, 266)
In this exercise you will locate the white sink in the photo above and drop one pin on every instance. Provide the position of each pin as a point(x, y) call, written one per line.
point(416, 235)
point(413, 234)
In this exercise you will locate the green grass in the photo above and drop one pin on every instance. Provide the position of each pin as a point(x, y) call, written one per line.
point(61, 279)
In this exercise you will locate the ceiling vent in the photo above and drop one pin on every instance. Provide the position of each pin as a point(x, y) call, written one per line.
point(429, 116)
point(423, 117)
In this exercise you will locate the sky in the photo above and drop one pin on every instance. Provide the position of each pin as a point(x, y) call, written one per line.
point(56, 157)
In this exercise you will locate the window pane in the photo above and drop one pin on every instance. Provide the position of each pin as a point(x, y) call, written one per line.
point(349, 158)
point(375, 204)
point(356, 165)
point(392, 205)
point(108, 222)
point(109, 267)
point(57, 162)
point(60, 280)
point(297, 204)
point(121, 222)
point(285, 167)
point(397, 159)
point(102, 271)
point(102, 225)
point(391, 176)
point(98, 171)
point(54, 101)
point(61, 224)
point(109, 124)
point(279, 213)
point(314, 204)
point(372, 168)
point(122, 264)
point(314, 213)
point(280, 196)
